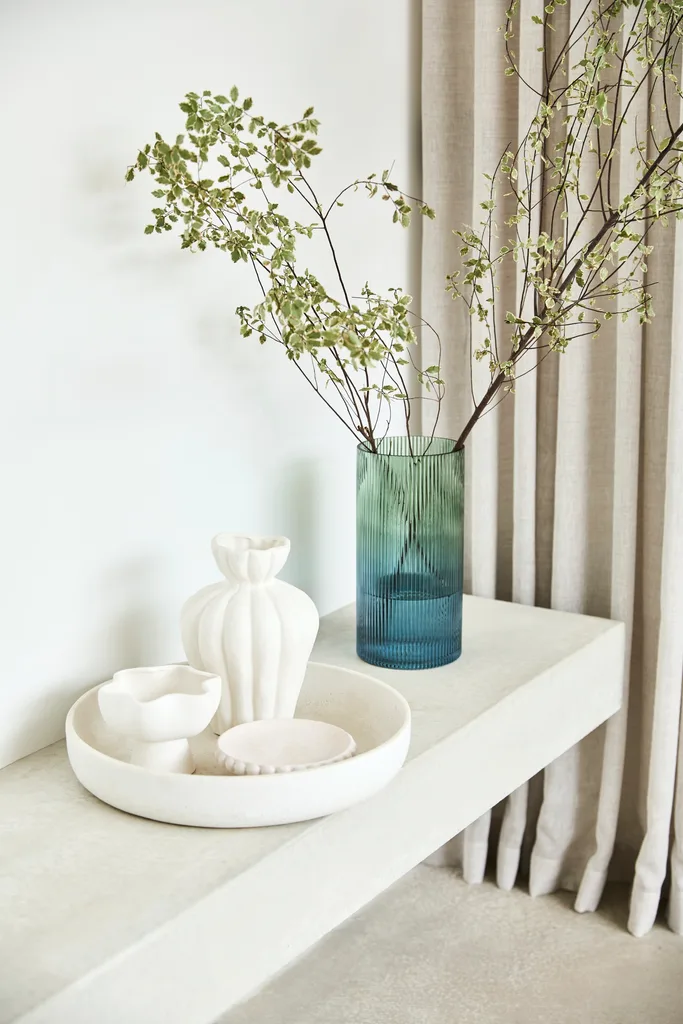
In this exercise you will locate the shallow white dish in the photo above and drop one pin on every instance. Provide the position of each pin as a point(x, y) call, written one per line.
point(371, 711)
point(282, 745)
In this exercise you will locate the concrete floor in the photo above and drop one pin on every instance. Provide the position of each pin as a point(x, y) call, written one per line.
point(433, 950)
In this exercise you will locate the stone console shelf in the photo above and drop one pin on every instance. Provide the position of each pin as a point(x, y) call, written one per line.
point(109, 918)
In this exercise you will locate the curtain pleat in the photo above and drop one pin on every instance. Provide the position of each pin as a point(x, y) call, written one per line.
point(665, 746)
point(494, 121)
point(676, 895)
point(627, 419)
point(523, 544)
point(574, 491)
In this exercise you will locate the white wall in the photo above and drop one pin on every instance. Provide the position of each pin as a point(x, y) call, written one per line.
point(134, 422)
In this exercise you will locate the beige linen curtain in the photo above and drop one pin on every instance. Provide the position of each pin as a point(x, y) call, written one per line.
point(574, 496)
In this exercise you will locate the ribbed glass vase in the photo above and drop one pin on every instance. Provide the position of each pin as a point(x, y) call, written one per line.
point(409, 549)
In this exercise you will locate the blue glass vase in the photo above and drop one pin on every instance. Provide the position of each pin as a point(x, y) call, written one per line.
point(409, 552)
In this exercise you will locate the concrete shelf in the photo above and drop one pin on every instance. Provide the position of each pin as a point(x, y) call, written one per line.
point(110, 918)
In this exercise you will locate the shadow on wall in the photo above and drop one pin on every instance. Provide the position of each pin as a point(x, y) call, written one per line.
point(191, 295)
point(112, 211)
point(243, 402)
point(133, 632)
point(294, 508)
point(133, 635)
point(314, 506)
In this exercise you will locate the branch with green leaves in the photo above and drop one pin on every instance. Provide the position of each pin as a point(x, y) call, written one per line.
point(216, 185)
point(580, 240)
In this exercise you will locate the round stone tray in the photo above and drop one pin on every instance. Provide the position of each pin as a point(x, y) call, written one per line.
point(373, 713)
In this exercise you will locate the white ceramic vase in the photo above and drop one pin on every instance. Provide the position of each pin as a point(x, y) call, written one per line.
point(254, 631)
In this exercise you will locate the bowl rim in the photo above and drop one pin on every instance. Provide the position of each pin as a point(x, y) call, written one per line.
point(121, 686)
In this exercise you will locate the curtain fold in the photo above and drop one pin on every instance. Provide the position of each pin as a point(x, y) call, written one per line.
point(574, 492)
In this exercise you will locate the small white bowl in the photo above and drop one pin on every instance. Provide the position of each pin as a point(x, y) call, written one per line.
point(276, 745)
point(159, 709)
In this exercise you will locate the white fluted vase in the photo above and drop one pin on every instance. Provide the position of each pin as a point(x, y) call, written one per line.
point(254, 631)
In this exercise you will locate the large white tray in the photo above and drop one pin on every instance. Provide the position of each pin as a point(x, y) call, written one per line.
point(372, 711)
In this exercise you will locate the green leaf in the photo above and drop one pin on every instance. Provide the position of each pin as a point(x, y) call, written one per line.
point(221, 98)
point(308, 112)
point(234, 94)
point(149, 229)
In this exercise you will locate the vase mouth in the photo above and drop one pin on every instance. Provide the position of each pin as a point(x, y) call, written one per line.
point(248, 542)
point(416, 446)
point(246, 557)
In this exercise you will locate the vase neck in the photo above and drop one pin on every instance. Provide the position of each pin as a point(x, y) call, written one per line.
point(248, 559)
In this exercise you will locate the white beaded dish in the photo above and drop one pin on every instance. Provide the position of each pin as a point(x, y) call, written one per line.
point(282, 745)
point(372, 712)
